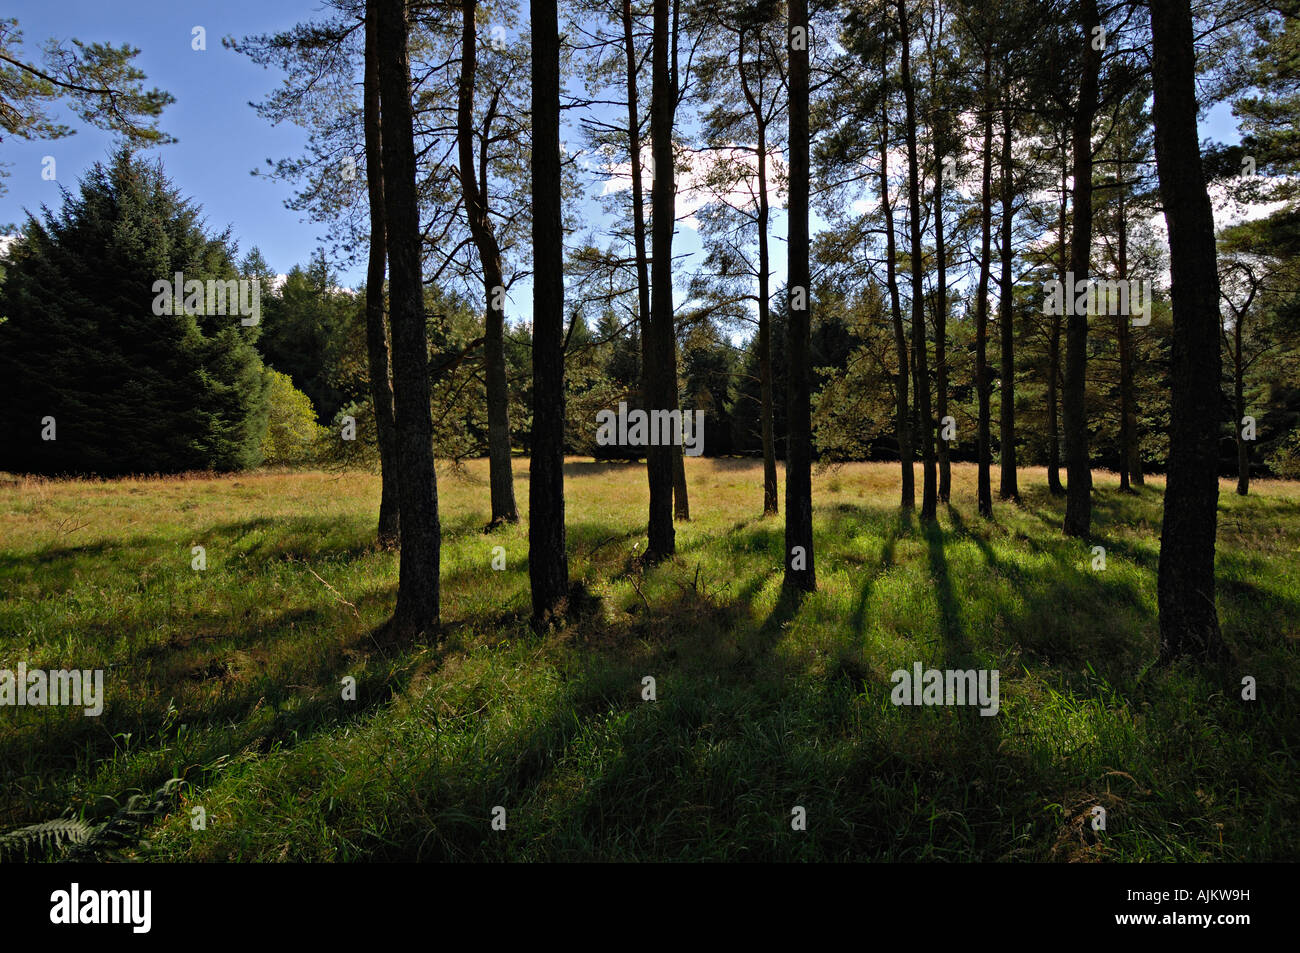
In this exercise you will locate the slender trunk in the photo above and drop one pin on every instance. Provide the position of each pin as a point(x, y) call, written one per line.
point(638, 201)
point(765, 332)
point(764, 290)
point(418, 584)
point(1078, 495)
point(381, 387)
point(1189, 623)
point(799, 570)
point(765, 349)
point(548, 565)
point(908, 500)
point(984, 487)
point(941, 131)
point(941, 335)
point(638, 194)
point(681, 503)
point(1008, 488)
point(1054, 485)
point(1125, 437)
point(474, 184)
point(661, 378)
point(500, 468)
point(1239, 401)
point(920, 371)
point(1127, 415)
point(1135, 445)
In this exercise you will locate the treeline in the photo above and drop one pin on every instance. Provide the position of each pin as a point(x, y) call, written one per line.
point(311, 335)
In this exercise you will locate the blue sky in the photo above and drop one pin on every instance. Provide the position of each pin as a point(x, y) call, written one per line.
point(221, 138)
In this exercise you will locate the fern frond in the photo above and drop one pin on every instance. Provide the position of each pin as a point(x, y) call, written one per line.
point(83, 841)
point(55, 834)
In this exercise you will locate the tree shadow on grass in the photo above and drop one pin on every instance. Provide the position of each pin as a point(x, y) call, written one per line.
point(574, 469)
point(956, 647)
point(196, 687)
point(902, 526)
point(712, 768)
point(60, 567)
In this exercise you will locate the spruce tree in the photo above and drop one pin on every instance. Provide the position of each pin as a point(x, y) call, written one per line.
point(91, 379)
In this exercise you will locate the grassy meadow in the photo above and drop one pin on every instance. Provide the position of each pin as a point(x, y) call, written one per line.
point(230, 678)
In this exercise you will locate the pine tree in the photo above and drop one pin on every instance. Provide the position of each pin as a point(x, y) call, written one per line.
point(418, 593)
point(548, 567)
point(800, 572)
point(1189, 621)
point(98, 81)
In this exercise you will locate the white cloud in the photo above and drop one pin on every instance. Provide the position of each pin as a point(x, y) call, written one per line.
point(694, 190)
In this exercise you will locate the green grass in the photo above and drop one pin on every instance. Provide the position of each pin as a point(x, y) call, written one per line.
point(230, 678)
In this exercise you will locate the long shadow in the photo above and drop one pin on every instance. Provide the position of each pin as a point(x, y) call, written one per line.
point(956, 646)
point(754, 464)
point(887, 549)
point(296, 538)
point(597, 468)
point(668, 778)
point(665, 777)
point(982, 544)
point(293, 541)
point(149, 720)
point(1099, 537)
point(762, 537)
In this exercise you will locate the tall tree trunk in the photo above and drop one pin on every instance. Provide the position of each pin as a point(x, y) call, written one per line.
point(765, 336)
point(799, 571)
point(908, 492)
point(1054, 485)
point(1008, 488)
point(660, 372)
point(381, 388)
point(548, 563)
point(982, 383)
point(1239, 402)
point(764, 289)
point(940, 125)
point(418, 583)
point(920, 370)
point(681, 503)
point(1078, 494)
point(1127, 415)
point(474, 184)
point(1189, 623)
point(941, 333)
point(1135, 444)
point(638, 195)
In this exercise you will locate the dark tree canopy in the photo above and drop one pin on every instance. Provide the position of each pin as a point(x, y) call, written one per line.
point(129, 391)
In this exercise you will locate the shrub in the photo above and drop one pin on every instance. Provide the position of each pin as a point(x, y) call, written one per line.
point(291, 432)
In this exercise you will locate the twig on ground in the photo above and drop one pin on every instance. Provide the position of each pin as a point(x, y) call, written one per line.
point(637, 587)
point(337, 595)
